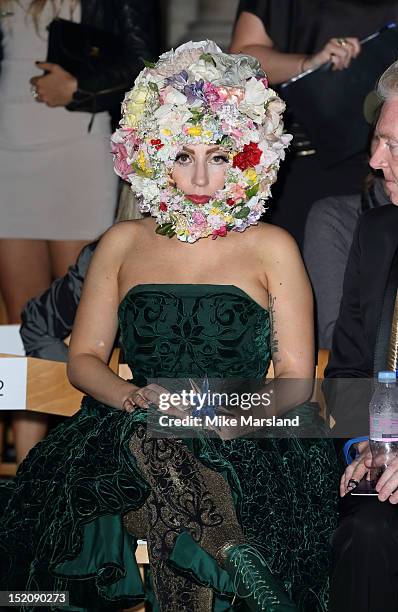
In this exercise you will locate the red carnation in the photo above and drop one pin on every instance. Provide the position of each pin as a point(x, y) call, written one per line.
point(163, 206)
point(230, 201)
point(249, 157)
point(157, 143)
point(222, 231)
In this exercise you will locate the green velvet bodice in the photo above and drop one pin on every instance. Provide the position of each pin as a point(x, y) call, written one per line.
point(194, 330)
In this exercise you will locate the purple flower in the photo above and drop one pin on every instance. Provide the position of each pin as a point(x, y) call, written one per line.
point(195, 92)
point(178, 80)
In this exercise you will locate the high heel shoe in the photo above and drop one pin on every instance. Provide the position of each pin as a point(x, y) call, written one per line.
point(253, 580)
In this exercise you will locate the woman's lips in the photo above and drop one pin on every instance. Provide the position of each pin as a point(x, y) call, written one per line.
point(198, 199)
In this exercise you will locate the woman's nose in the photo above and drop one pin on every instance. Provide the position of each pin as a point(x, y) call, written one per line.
point(200, 175)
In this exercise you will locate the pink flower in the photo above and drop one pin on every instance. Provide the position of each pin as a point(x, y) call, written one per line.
point(215, 96)
point(199, 218)
point(236, 133)
point(237, 192)
point(120, 155)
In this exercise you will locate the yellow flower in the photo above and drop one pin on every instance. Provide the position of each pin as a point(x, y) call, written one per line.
point(195, 130)
point(135, 106)
point(142, 164)
point(166, 132)
point(251, 175)
point(215, 211)
point(228, 218)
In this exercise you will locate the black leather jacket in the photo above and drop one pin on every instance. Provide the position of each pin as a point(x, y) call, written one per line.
point(133, 21)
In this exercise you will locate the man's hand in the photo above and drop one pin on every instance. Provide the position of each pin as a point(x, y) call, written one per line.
point(356, 470)
point(387, 484)
point(56, 88)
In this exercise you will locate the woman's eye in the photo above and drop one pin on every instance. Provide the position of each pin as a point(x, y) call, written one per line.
point(183, 158)
point(220, 159)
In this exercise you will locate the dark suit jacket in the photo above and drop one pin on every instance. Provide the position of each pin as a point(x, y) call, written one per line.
point(374, 245)
point(354, 340)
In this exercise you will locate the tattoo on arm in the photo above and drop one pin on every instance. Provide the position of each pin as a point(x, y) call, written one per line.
point(274, 339)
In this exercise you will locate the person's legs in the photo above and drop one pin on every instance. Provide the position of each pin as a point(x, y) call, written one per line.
point(365, 556)
point(63, 253)
point(24, 273)
point(28, 428)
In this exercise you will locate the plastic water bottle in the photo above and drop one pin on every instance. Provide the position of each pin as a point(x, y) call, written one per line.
point(383, 415)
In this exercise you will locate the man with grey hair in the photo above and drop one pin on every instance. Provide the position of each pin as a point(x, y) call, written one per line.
point(365, 559)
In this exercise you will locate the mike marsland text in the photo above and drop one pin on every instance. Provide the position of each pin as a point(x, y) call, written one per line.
point(227, 421)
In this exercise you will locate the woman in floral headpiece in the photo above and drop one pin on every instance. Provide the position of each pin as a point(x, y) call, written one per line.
point(201, 291)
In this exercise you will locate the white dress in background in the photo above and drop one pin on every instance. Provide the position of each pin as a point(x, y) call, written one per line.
point(56, 179)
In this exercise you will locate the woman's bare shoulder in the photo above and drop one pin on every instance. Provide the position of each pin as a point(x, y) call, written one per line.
point(123, 234)
point(273, 242)
point(117, 242)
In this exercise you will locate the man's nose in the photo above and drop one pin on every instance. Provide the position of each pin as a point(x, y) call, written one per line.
point(378, 159)
point(200, 175)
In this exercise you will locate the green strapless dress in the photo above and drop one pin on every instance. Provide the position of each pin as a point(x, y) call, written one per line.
point(72, 515)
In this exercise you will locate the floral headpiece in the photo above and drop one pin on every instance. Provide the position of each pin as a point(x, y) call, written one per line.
point(199, 95)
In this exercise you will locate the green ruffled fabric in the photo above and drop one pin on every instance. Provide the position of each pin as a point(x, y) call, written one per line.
point(62, 527)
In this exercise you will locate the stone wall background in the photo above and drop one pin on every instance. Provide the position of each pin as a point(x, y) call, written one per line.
point(197, 20)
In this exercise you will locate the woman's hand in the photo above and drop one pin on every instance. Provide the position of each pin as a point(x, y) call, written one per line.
point(338, 51)
point(56, 88)
point(142, 397)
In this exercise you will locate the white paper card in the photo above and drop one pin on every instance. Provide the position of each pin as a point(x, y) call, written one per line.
point(10, 340)
point(13, 376)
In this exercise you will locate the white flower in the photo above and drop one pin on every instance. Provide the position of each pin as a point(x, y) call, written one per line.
point(172, 118)
point(173, 96)
point(205, 70)
point(255, 92)
point(253, 103)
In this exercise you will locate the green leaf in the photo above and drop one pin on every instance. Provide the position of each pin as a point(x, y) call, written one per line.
point(164, 229)
point(149, 64)
point(153, 86)
point(207, 57)
point(242, 214)
point(252, 191)
point(226, 142)
point(197, 116)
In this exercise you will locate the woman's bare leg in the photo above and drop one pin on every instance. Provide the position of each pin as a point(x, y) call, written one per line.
point(28, 428)
point(25, 272)
point(63, 253)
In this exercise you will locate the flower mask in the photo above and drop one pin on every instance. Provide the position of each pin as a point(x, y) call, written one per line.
point(199, 95)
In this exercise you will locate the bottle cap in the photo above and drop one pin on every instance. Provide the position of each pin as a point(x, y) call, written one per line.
point(386, 377)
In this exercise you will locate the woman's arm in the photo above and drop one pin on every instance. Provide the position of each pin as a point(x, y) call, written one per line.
point(292, 325)
point(290, 306)
point(96, 322)
point(250, 37)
